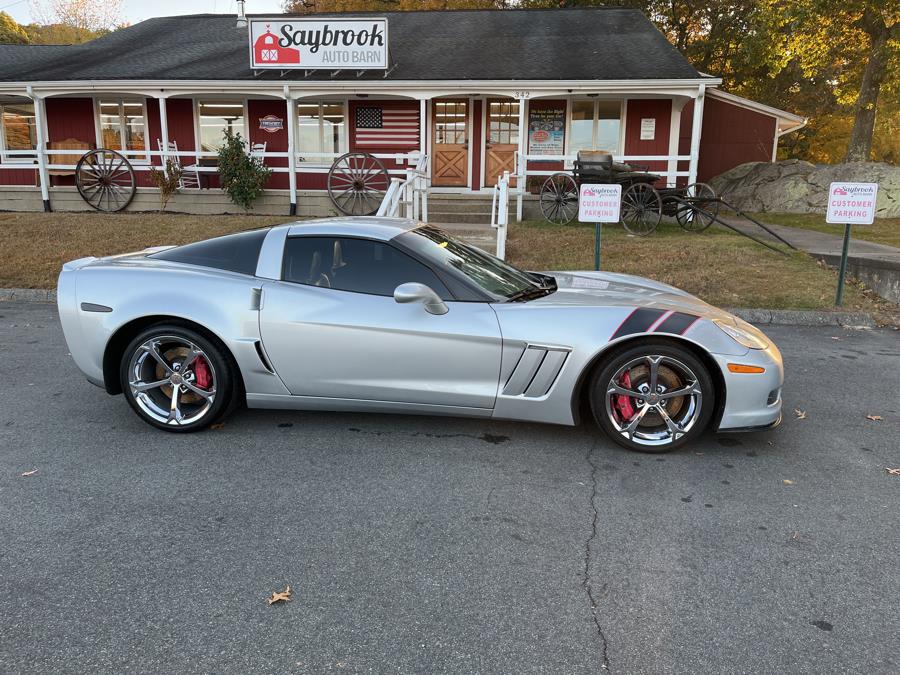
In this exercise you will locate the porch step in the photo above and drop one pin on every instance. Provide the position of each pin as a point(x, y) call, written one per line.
point(442, 216)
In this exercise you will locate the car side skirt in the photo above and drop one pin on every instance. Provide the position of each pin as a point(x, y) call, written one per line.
point(282, 402)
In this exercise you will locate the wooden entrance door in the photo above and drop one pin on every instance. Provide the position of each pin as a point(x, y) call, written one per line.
point(450, 145)
point(501, 140)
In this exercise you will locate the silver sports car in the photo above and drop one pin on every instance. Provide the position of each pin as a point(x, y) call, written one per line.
point(376, 314)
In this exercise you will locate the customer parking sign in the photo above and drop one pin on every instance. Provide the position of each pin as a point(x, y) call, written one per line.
point(599, 203)
point(851, 203)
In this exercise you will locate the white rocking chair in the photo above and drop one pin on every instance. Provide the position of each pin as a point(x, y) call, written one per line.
point(190, 176)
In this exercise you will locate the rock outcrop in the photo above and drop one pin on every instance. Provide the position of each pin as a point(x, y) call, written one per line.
point(795, 186)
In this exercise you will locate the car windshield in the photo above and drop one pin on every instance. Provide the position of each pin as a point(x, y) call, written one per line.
point(498, 278)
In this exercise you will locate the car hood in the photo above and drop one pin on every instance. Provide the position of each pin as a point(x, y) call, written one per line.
point(604, 289)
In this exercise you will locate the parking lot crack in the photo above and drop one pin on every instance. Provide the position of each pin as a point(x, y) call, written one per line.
point(588, 550)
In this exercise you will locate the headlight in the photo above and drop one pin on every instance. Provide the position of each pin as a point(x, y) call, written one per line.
point(744, 334)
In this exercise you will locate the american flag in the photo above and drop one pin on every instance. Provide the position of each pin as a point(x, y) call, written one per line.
point(377, 127)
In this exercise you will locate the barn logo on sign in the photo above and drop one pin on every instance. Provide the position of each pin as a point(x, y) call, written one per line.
point(271, 123)
point(268, 50)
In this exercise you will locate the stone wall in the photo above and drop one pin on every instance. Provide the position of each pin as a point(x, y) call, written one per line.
point(795, 186)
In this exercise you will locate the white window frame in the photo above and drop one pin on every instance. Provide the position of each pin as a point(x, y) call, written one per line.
point(120, 100)
point(197, 100)
point(320, 161)
point(15, 159)
point(623, 110)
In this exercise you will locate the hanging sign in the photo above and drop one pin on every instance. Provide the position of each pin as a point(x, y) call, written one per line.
point(318, 44)
point(852, 203)
point(271, 123)
point(546, 131)
point(648, 128)
point(599, 203)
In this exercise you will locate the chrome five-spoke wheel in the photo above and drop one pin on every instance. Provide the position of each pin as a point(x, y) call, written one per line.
point(175, 379)
point(652, 398)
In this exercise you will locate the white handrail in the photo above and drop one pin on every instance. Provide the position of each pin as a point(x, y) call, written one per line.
point(411, 193)
point(500, 212)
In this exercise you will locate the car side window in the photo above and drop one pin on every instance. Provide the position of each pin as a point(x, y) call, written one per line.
point(357, 265)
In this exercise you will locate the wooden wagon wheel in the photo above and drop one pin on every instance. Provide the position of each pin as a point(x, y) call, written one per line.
point(641, 209)
point(357, 183)
point(559, 199)
point(105, 180)
point(704, 197)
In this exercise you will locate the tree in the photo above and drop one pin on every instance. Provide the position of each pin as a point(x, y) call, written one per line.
point(321, 6)
point(86, 15)
point(243, 177)
point(11, 33)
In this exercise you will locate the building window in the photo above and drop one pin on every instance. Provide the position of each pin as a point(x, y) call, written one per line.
point(18, 130)
point(595, 125)
point(321, 129)
point(123, 125)
point(503, 119)
point(217, 117)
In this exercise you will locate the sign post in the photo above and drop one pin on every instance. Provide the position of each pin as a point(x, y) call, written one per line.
point(850, 204)
point(599, 203)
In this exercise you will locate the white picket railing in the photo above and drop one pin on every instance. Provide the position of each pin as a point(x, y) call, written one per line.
point(500, 212)
point(410, 194)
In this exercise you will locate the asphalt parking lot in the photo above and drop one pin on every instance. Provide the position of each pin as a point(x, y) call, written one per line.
point(441, 545)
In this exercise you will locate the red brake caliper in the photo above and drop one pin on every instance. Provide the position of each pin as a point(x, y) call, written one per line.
point(622, 403)
point(202, 374)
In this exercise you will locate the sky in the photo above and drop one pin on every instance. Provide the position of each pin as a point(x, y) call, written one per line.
point(138, 10)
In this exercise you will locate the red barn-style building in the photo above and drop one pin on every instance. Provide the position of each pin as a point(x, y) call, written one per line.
point(476, 92)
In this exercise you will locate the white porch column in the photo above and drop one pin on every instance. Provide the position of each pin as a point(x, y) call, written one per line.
point(696, 128)
point(40, 117)
point(674, 138)
point(523, 165)
point(164, 132)
point(292, 154)
point(423, 127)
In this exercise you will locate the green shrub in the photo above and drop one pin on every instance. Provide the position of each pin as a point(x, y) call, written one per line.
point(243, 177)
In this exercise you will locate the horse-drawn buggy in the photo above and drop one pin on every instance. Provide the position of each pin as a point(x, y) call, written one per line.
point(694, 206)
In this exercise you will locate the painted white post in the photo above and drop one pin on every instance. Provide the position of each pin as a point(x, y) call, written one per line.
point(503, 215)
point(674, 138)
point(522, 164)
point(40, 114)
point(292, 153)
point(164, 131)
point(696, 128)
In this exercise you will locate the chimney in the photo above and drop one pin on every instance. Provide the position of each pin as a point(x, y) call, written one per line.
point(241, 17)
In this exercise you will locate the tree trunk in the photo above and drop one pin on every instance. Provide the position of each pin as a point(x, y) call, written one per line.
point(860, 147)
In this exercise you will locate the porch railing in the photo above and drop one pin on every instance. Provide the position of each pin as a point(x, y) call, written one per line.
point(410, 194)
point(500, 212)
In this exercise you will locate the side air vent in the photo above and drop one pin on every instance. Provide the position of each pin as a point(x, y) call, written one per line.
point(536, 371)
point(262, 357)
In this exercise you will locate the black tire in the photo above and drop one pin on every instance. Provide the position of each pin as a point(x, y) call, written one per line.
point(682, 370)
point(221, 372)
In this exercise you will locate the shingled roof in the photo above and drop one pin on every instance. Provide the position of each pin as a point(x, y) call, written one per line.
point(562, 44)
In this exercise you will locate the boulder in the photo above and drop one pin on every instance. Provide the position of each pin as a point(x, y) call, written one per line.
point(796, 186)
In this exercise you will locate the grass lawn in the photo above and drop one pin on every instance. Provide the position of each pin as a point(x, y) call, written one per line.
point(720, 267)
point(35, 245)
point(882, 231)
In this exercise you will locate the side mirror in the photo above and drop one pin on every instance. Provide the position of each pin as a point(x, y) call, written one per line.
point(415, 292)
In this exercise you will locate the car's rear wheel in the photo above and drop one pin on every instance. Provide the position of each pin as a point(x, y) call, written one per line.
point(177, 379)
point(653, 397)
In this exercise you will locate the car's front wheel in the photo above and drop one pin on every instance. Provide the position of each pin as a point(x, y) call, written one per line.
point(652, 397)
point(176, 379)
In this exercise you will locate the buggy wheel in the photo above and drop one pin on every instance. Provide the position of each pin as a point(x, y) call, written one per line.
point(105, 180)
point(702, 196)
point(641, 209)
point(357, 183)
point(559, 199)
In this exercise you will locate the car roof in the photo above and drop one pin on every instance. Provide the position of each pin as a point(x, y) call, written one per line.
point(371, 227)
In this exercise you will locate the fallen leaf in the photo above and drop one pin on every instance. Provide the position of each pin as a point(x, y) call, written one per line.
point(30, 473)
point(787, 481)
point(835, 337)
point(217, 425)
point(795, 536)
point(874, 418)
point(283, 596)
point(801, 415)
point(893, 472)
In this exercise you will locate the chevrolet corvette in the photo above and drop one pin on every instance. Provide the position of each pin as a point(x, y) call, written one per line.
point(388, 315)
